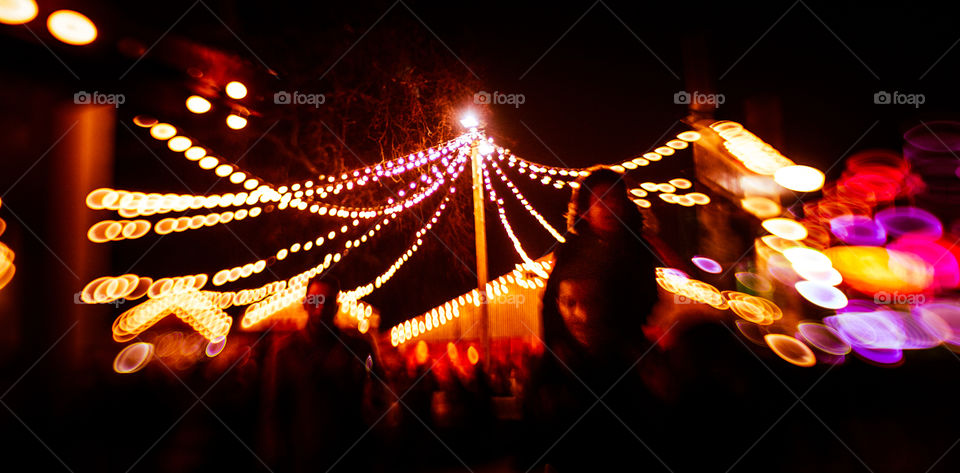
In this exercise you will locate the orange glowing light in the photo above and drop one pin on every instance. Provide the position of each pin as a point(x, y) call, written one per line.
point(684, 200)
point(761, 207)
point(236, 90)
point(196, 308)
point(790, 349)
point(799, 178)
point(236, 122)
point(198, 104)
point(666, 188)
point(7, 268)
point(195, 153)
point(17, 12)
point(421, 353)
point(179, 143)
point(71, 27)
point(163, 131)
point(785, 228)
point(223, 170)
point(779, 244)
point(473, 355)
point(747, 311)
point(133, 358)
point(753, 308)
point(144, 121)
point(699, 198)
point(104, 231)
point(208, 162)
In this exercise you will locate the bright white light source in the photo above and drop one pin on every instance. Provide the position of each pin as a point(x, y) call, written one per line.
point(16, 12)
point(785, 228)
point(799, 178)
point(236, 90)
point(71, 27)
point(198, 104)
point(236, 122)
point(469, 121)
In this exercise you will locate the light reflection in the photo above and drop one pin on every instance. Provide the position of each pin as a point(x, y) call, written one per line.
point(133, 357)
point(785, 228)
point(791, 349)
point(822, 295)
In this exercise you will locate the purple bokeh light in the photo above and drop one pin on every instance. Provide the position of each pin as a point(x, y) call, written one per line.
point(858, 230)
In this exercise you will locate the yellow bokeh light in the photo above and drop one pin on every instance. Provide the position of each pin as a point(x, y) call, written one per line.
point(223, 170)
point(870, 269)
point(208, 162)
point(195, 153)
point(179, 143)
point(163, 131)
point(198, 104)
point(761, 207)
point(785, 228)
point(790, 349)
point(236, 122)
point(71, 27)
point(699, 198)
point(799, 178)
point(17, 12)
point(236, 90)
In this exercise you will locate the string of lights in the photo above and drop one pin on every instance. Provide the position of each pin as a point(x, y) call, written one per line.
point(282, 295)
point(352, 179)
point(528, 263)
point(131, 204)
point(439, 316)
point(667, 193)
point(301, 196)
point(364, 290)
point(108, 289)
point(547, 175)
point(526, 204)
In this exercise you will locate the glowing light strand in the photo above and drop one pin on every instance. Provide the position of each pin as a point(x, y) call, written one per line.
point(516, 193)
